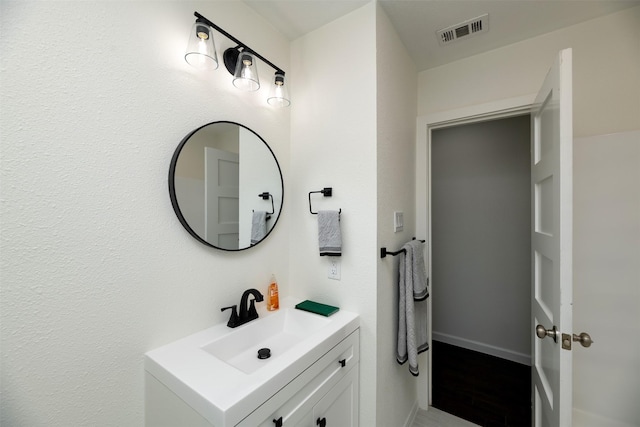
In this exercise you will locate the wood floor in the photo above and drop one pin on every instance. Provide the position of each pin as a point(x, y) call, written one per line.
point(485, 390)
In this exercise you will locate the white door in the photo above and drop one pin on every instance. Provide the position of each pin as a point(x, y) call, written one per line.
point(222, 189)
point(551, 171)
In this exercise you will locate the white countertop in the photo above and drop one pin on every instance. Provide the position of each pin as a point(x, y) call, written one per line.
point(225, 395)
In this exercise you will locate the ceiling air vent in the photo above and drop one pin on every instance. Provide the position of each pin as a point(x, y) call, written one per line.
point(467, 28)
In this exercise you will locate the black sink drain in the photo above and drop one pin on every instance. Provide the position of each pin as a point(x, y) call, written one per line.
point(264, 353)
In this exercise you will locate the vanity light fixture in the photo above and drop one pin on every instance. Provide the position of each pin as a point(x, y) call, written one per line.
point(240, 61)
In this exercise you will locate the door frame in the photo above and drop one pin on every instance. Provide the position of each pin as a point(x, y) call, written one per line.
point(505, 108)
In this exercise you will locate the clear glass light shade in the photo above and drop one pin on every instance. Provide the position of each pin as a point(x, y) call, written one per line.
point(279, 94)
point(201, 50)
point(246, 75)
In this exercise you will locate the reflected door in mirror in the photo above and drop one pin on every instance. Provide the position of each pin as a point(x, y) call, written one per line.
point(222, 198)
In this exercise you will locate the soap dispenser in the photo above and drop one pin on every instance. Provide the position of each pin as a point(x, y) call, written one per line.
point(273, 301)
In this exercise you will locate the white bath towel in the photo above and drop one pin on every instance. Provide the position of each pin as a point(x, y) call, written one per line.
point(329, 236)
point(258, 226)
point(413, 291)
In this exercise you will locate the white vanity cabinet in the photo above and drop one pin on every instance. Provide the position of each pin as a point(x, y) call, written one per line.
point(325, 394)
point(319, 388)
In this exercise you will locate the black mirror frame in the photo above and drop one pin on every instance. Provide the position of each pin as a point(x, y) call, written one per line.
point(174, 199)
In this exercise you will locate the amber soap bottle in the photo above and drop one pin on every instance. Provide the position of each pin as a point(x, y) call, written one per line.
point(273, 302)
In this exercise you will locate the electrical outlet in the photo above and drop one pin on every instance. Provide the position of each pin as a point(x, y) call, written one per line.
point(398, 221)
point(334, 269)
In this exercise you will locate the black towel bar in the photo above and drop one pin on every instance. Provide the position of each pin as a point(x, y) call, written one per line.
point(384, 252)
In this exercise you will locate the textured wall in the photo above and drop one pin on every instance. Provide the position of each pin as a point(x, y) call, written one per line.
point(333, 138)
point(96, 269)
point(397, 81)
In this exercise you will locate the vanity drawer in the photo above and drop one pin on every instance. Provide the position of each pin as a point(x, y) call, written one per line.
point(297, 399)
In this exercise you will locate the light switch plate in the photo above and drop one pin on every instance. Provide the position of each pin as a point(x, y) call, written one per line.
point(398, 221)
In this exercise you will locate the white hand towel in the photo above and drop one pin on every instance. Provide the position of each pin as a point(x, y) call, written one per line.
point(329, 236)
point(412, 306)
point(258, 226)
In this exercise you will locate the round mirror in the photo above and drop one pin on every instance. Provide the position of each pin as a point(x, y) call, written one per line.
point(226, 186)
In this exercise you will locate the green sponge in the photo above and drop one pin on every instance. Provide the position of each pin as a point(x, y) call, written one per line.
point(316, 307)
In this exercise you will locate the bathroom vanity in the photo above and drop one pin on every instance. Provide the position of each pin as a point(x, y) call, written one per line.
point(215, 377)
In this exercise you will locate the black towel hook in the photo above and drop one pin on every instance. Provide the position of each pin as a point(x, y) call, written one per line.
point(326, 192)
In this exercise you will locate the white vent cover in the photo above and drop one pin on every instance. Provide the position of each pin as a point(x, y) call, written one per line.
point(464, 29)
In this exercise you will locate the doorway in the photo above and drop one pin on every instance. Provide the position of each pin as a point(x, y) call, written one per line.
point(481, 270)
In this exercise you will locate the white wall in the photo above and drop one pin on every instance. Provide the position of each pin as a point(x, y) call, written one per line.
point(396, 111)
point(333, 144)
point(353, 128)
point(606, 252)
point(606, 59)
point(606, 64)
point(257, 176)
point(96, 269)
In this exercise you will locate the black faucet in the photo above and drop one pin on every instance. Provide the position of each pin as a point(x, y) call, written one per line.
point(246, 314)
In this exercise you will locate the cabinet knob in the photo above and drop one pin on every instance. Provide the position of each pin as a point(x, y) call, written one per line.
point(343, 362)
point(321, 422)
point(278, 422)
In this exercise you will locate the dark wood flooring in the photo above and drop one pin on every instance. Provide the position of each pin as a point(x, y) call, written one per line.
point(486, 390)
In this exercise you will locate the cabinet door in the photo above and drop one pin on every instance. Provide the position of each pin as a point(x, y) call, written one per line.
point(339, 407)
point(299, 408)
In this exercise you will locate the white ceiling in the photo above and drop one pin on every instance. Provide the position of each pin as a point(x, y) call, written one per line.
point(416, 21)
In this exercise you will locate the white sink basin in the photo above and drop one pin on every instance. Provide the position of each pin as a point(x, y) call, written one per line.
point(278, 332)
point(217, 371)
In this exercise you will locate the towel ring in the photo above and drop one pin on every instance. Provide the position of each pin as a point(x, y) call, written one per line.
point(265, 196)
point(326, 192)
point(384, 252)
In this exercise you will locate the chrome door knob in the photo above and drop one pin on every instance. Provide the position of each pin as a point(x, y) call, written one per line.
point(543, 332)
point(584, 339)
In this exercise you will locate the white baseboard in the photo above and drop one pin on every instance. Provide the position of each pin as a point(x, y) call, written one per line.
point(412, 415)
point(587, 419)
point(503, 353)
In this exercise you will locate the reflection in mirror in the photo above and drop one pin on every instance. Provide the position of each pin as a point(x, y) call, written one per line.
point(218, 178)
